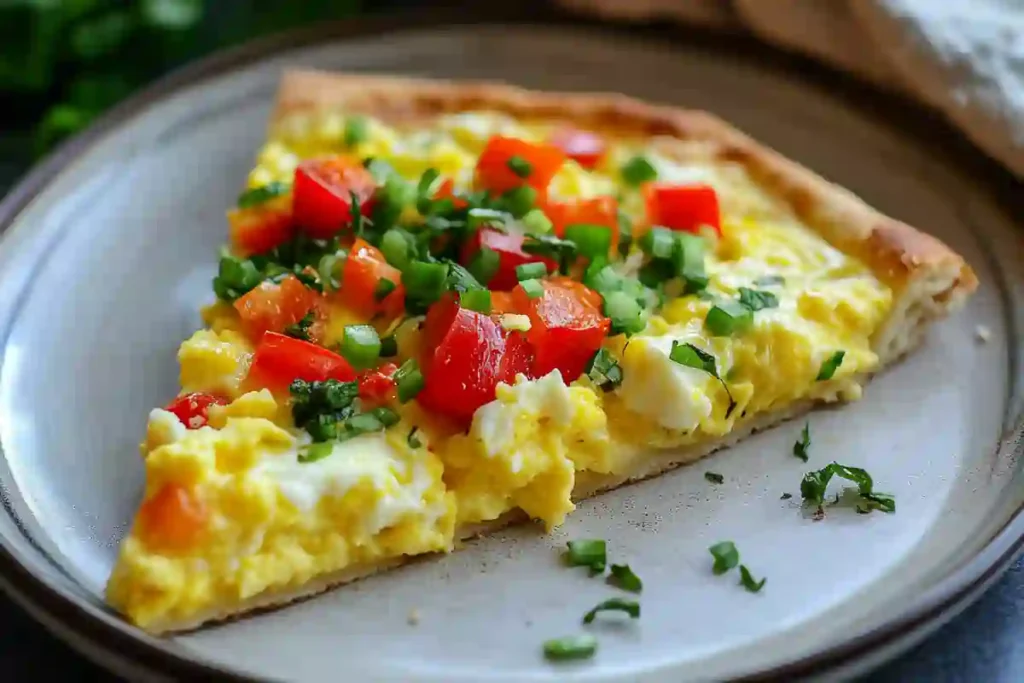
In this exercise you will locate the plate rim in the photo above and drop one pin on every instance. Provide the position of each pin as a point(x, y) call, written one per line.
point(102, 637)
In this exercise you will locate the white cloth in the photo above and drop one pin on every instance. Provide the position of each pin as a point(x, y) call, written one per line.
point(963, 57)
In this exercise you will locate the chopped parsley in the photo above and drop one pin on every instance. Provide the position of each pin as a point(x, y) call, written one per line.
point(588, 552)
point(714, 477)
point(318, 407)
point(520, 166)
point(638, 170)
point(630, 607)
point(689, 355)
point(622, 576)
point(756, 300)
point(769, 280)
point(300, 330)
point(726, 557)
point(582, 646)
point(562, 251)
point(785, 496)
point(749, 582)
point(801, 446)
point(604, 370)
point(815, 483)
point(830, 365)
point(259, 195)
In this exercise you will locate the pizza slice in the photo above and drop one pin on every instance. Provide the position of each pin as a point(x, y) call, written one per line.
point(451, 306)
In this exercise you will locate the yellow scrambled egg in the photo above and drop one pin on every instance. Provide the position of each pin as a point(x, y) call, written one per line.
point(277, 523)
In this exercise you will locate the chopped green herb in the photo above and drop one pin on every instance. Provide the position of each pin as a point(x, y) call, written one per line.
point(316, 451)
point(714, 477)
point(689, 355)
point(461, 280)
point(630, 607)
point(383, 288)
point(397, 245)
point(392, 197)
point(531, 271)
point(726, 556)
point(727, 318)
point(412, 439)
point(624, 577)
point(235, 278)
point(425, 202)
point(532, 288)
point(484, 265)
point(604, 370)
point(756, 300)
point(388, 347)
point(477, 218)
point(520, 166)
point(658, 243)
point(638, 170)
point(876, 501)
point(785, 496)
point(829, 367)
point(769, 280)
point(318, 407)
point(591, 240)
point(357, 130)
point(328, 269)
point(688, 261)
point(258, 195)
point(814, 484)
point(360, 345)
point(300, 330)
point(801, 446)
point(569, 648)
point(478, 300)
point(748, 581)
point(519, 201)
point(536, 222)
point(625, 313)
point(625, 232)
point(359, 222)
point(588, 552)
point(424, 284)
point(408, 380)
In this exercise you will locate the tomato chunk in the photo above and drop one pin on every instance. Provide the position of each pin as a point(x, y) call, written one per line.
point(567, 326)
point(279, 359)
point(596, 211)
point(447, 191)
point(192, 408)
point(683, 207)
point(474, 355)
point(509, 247)
point(377, 386)
point(173, 519)
point(258, 229)
point(275, 306)
point(364, 270)
point(584, 147)
point(493, 172)
point(323, 194)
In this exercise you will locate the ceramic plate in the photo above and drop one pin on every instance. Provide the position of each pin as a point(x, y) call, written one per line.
point(109, 251)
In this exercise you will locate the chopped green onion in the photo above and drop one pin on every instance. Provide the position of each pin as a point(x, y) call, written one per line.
point(300, 330)
point(625, 232)
point(408, 380)
point(714, 477)
point(801, 446)
point(484, 265)
point(630, 607)
point(461, 280)
point(638, 170)
point(568, 648)
point(532, 288)
point(623, 577)
point(425, 282)
point(604, 370)
point(588, 552)
point(412, 439)
point(726, 556)
point(476, 218)
point(360, 345)
point(688, 259)
point(602, 278)
point(388, 347)
point(625, 313)
point(829, 367)
point(531, 271)
point(316, 451)
point(728, 318)
point(258, 195)
point(396, 245)
point(519, 201)
point(235, 277)
point(748, 581)
point(591, 240)
point(659, 243)
point(536, 222)
point(425, 191)
point(357, 130)
point(383, 288)
point(520, 166)
point(478, 300)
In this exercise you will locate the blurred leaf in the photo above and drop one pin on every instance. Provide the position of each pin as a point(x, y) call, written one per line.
point(103, 35)
point(172, 14)
point(60, 122)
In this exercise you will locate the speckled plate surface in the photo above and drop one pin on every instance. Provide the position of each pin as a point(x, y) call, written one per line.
point(107, 254)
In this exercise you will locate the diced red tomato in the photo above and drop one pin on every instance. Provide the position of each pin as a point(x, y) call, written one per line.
point(323, 194)
point(447, 191)
point(596, 211)
point(683, 207)
point(377, 386)
point(435, 326)
point(192, 408)
point(260, 228)
point(173, 519)
point(493, 172)
point(509, 247)
point(274, 306)
point(474, 355)
point(364, 269)
point(279, 359)
point(567, 326)
point(583, 146)
point(502, 302)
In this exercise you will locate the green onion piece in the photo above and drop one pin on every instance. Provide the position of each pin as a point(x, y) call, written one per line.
point(569, 648)
point(531, 271)
point(412, 439)
point(360, 345)
point(602, 278)
point(520, 166)
point(425, 282)
point(316, 451)
point(801, 446)
point(460, 279)
point(478, 300)
point(484, 265)
point(728, 318)
point(387, 416)
point(425, 191)
point(625, 313)
point(688, 259)
point(829, 367)
point(397, 247)
point(519, 201)
point(536, 222)
point(588, 552)
point(357, 130)
point(638, 170)
point(726, 556)
point(408, 380)
point(258, 195)
point(477, 218)
point(659, 243)
point(625, 232)
point(235, 277)
point(604, 370)
point(591, 240)
point(388, 347)
point(532, 288)
point(300, 330)
point(748, 581)
point(655, 273)
point(383, 288)
point(630, 607)
point(365, 423)
point(623, 577)
point(714, 477)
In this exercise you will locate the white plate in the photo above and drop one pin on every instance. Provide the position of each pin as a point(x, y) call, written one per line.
point(107, 258)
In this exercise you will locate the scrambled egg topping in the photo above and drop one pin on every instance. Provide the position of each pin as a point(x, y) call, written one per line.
point(277, 522)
